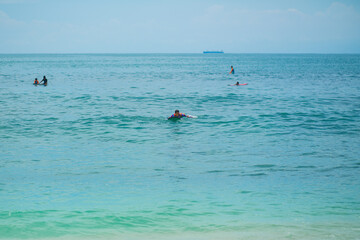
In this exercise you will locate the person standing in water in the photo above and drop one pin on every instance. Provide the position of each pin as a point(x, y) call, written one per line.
point(44, 80)
point(232, 70)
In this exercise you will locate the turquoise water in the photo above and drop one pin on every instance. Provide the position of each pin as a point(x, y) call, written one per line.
point(92, 155)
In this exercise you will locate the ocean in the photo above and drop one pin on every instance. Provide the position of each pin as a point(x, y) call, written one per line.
point(93, 156)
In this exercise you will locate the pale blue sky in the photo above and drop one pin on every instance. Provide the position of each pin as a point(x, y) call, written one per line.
point(181, 26)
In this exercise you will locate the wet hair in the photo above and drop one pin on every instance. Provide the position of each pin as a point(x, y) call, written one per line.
point(176, 111)
point(231, 66)
point(35, 78)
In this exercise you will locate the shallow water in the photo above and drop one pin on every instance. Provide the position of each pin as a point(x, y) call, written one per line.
point(93, 154)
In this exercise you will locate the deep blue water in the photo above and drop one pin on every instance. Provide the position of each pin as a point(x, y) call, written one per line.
point(93, 154)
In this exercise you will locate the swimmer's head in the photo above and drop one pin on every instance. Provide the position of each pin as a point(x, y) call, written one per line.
point(176, 111)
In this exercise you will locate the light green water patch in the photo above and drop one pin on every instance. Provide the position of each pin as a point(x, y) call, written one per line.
point(246, 231)
point(170, 222)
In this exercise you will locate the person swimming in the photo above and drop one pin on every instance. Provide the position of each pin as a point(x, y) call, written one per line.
point(36, 81)
point(238, 84)
point(178, 114)
point(232, 70)
point(44, 80)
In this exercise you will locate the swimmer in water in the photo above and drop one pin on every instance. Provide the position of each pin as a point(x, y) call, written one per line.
point(238, 84)
point(232, 70)
point(178, 114)
point(36, 82)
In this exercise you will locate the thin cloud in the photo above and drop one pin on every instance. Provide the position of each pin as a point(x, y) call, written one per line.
point(7, 21)
point(17, 1)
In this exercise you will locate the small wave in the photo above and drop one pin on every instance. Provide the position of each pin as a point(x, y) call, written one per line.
point(265, 166)
point(255, 174)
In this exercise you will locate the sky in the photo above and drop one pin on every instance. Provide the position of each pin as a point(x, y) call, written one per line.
point(179, 26)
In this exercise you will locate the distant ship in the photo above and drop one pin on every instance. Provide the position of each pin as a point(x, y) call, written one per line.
point(213, 51)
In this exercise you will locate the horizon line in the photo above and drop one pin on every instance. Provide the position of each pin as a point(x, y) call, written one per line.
point(95, 53)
